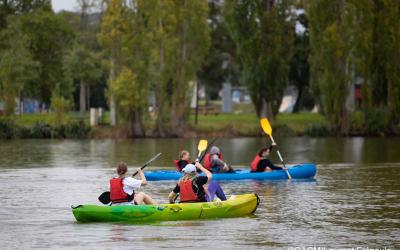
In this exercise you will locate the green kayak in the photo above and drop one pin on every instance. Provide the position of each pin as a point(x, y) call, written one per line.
point(234, 206)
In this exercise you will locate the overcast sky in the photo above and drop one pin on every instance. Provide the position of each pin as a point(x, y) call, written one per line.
point(64, 5)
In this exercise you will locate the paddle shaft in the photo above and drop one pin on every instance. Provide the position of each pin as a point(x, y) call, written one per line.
point(147, 163)
point(280, 156)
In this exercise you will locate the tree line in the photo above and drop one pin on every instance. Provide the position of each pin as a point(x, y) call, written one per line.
point(124, 53)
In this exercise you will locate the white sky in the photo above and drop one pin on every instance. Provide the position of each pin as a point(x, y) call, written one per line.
point(64, 5)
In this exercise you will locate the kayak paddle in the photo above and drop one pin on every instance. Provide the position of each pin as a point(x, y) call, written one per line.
point(205, 151)
point(201, 147)
point(105, 196)
point(266, 126)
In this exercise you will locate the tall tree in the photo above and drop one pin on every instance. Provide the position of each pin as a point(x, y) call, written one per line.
point(113, 29)
point(182, 40)
point(263, 34)
point(83, 66)
point(329, 60)
point(50, 37)
point(299, 70)
point(220, 64)
point(18, 7)
point(17, 67)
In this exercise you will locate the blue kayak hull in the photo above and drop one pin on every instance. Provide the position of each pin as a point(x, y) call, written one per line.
point(298, 171)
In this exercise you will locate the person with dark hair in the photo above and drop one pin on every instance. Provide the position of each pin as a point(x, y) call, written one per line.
point(261, 163)
point(122, 188)
point(184, 159)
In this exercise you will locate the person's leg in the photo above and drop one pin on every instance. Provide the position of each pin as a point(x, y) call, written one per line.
point(148, 200)
point(219, 192)
point(139, 197)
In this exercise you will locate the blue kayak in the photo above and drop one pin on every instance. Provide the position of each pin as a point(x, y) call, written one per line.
point(298, 171)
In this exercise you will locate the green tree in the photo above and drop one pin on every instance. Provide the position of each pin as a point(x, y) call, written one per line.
point(220, 63)
point(18, 7)
point(263, 34)
point(329, 60)
point(192, 45)
point(50, 37)
point(299, 70)
point(180, 34)
point(113, 31)
point(84, 67)
point(131, 98)
point(17, 68)
point(132, 51)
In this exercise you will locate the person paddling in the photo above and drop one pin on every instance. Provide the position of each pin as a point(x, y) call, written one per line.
point(184, 159)
point(213, 162)
point(122, 188)
point(194, 188)
point(261, 163)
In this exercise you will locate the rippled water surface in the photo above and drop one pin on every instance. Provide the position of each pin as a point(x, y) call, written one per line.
point(353, 202)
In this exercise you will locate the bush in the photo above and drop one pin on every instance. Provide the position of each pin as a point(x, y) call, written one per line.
point(375, 121)
point(317, 130)
point(77, 129)
point(40, 130)
point(357, 123)
point(8, 129)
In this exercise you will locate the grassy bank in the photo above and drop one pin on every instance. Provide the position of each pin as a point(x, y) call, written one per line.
point(240, 123)
point(248, 124)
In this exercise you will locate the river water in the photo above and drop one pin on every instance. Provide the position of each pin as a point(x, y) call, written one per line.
point(353, 202)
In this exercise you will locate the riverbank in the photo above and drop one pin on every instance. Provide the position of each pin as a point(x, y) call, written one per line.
point(225, 125)
point(241, 123)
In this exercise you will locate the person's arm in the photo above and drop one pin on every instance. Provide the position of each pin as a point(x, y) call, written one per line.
point(272, 166)
point(205, 171)
point(173, 194)
point(171, 197)
point(216, 161)
point(142, 177)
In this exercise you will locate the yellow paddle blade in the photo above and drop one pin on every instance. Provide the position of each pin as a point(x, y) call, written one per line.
point(202, 145)
point(266, 126)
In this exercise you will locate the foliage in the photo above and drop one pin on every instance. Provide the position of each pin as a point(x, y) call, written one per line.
point(299, 68)
point(60, 105)
point(18, 7)
point(220, 64)
point(328, 37)
point(8, 128)
point(49, 38)
point(319, 130)
point(42, 130)
point(263, 33)
point(17, 67)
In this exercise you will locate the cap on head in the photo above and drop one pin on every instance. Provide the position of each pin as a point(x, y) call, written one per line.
point(190, 168)
point(214, 150)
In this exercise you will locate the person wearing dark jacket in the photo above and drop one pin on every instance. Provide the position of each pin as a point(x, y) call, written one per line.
point(261, 163)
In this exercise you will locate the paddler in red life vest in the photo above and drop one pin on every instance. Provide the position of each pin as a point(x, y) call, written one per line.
point(214, 163)
point(191, 187)
point(261, 163)
point(184, 159)
point(122, 188)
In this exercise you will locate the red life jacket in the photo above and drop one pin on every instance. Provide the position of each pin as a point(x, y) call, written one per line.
point(207, 161)
point(117, 194)
point(177, 165)
point(186, 191)
point(254, 163)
